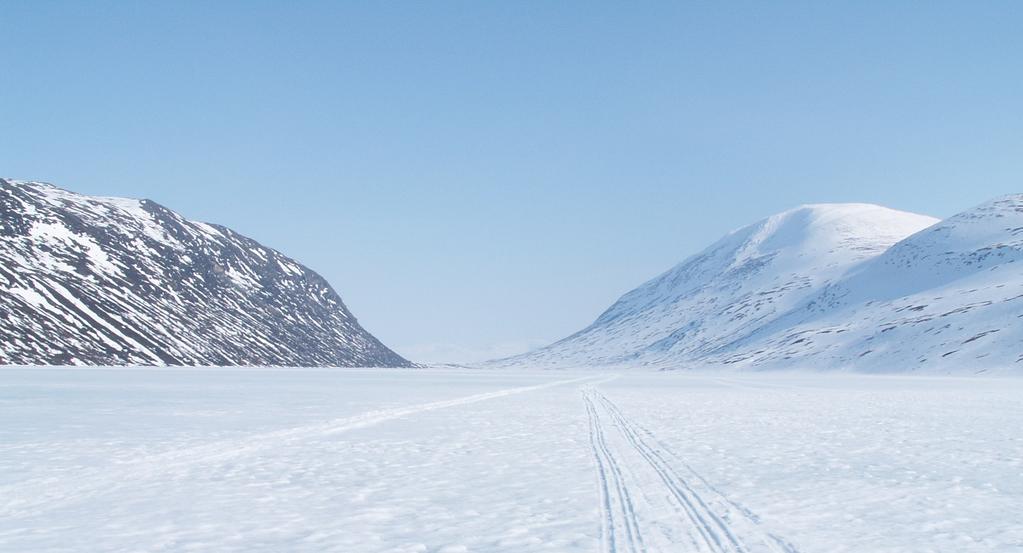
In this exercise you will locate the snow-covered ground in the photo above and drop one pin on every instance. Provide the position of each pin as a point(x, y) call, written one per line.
point(428, 460)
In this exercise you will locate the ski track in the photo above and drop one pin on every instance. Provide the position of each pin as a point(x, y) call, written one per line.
point(41, 494)
point(712, 522)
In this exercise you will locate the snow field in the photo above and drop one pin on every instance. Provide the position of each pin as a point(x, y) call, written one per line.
point(447, 461)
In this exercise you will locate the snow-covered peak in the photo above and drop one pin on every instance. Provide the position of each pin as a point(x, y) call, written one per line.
point(987, 234)
point(832, 286)
point(813, 229)
point(817, 241)
point(741, 282)
point(946, 298)
point(980, 238)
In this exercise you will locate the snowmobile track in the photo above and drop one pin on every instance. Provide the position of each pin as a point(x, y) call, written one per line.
point(708, 520)
point(618, 515)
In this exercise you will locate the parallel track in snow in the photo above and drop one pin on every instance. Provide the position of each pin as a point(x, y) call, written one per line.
point(649, 492)
point(618, 516)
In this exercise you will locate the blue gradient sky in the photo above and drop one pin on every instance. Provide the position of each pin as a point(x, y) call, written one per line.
point(477, 177)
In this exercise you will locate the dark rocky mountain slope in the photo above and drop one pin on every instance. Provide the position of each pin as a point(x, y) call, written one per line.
point(111, 281)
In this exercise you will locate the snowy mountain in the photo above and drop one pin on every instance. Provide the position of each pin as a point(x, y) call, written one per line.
point(948, 298)
point(111, 281)
point(855, 287)
point(724, 294)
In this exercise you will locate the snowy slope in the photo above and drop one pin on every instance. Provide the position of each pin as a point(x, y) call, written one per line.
point(733, 288)
point(86, 280)
point(947, 298)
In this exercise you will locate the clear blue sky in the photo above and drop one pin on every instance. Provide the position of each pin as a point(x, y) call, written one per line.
point(474, 177)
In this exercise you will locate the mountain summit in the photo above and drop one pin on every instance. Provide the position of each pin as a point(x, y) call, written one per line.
point(727, 293)
point(111, 281)
point(946, 299)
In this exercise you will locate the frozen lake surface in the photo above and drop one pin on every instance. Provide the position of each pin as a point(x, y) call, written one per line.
point(444, 461)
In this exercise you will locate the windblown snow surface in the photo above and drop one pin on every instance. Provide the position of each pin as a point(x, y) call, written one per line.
point(111, 460)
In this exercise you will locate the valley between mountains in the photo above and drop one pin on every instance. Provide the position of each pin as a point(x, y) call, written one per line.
point(839, 287)
point(717, 408)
